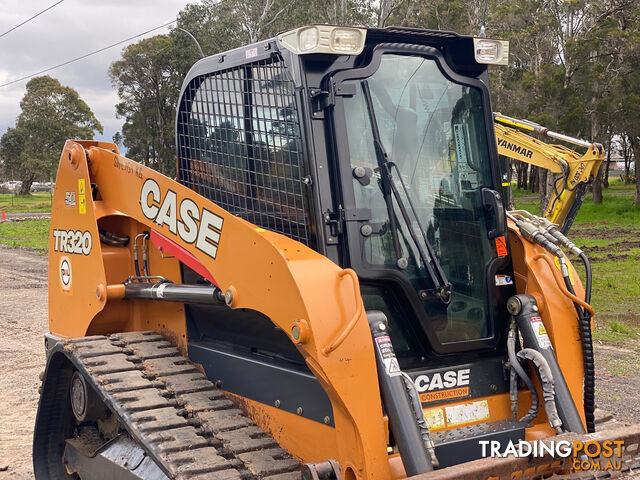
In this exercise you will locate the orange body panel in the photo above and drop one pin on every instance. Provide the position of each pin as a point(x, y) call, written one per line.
point(267, 272)
point(534, 276)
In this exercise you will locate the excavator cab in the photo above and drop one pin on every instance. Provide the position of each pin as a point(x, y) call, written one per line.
point(332, 284)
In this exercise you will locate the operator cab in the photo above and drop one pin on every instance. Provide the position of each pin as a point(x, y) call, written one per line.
point(374, 147)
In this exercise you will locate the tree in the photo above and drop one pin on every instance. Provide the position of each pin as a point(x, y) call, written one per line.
point(628, 104)
point(148, 83)
point(51, 113)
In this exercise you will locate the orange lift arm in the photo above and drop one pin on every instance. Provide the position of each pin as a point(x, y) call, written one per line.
point(314, 301)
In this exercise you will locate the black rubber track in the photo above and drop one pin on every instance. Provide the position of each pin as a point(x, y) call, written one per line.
point(175, 413)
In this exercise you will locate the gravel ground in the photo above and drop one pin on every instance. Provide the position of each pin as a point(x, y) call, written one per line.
point(23, 322)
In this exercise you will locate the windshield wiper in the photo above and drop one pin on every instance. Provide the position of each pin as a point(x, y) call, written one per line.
point(442, 287)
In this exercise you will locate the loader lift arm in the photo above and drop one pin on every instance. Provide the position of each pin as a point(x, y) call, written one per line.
point(574, 171)
point(256, 268)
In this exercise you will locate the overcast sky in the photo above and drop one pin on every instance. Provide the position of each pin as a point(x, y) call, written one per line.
point(71, 29)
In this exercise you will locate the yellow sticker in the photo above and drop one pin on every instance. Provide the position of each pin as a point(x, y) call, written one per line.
point(542, 330)
point(82, 199)
point(434, 418)
point(467, 413)
point(82, 204)
point(557, 262)
point(514, 123)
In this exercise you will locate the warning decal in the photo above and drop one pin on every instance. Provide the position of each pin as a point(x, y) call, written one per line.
point(501, 246)
point(502, 280)
point(391, 365)
point(389, 359)
point(540, 332)
point(434, 418)
point(82, 199)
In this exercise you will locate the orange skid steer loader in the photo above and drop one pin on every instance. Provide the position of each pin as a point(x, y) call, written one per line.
point(330, 289)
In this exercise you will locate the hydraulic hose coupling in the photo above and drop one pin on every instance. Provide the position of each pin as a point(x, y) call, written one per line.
point(534, 232)
point(527, 317)
point(553, 230)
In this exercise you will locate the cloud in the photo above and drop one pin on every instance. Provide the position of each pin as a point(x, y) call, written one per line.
point(69, 30)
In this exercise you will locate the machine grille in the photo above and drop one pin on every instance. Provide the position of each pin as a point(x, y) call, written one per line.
point(240, 145)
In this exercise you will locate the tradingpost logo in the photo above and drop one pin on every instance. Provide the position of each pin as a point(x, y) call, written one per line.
point(591, 455)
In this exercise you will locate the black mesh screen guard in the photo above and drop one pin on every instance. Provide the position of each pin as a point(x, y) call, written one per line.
point(240, 145)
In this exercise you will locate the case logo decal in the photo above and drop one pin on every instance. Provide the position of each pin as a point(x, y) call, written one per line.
point(184, 219)
point(443, 385)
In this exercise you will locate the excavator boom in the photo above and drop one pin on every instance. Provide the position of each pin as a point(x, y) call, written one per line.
point(574, 172)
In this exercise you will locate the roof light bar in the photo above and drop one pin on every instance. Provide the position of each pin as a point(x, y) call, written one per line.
point(491, 51)
point(324, 39)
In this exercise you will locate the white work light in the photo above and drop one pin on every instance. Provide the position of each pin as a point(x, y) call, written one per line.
point(491, 51)
point(308, 39)
point(324, 39)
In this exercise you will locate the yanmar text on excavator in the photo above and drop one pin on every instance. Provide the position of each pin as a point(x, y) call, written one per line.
point(331, 289)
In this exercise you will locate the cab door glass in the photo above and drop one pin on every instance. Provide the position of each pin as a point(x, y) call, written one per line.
point(433, 129)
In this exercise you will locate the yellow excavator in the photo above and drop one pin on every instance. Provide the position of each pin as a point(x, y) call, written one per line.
point(574, 171)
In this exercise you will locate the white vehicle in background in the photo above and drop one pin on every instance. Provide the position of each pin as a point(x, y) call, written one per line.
point(40, 187)
point(12, 185)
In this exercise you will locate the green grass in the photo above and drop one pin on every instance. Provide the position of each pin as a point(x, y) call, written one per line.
point(616, 184)
point(616, 285)
point(615, 209)
point(28, 233)
point(518, 192)
point(532, 206)
point(606, 231)
point(615, 331)
point(34, 202)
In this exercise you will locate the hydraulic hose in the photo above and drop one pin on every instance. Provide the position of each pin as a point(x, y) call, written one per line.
point(113, 239)
point(144, 255)
point(561, 282)
point(587, 267)
point(541, 231)
point(513, 392)
point(548, 390)
point(515, 366)
point(584, 327)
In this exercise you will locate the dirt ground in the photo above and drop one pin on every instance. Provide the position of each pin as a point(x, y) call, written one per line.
point(23, 322)
point(618, 379)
